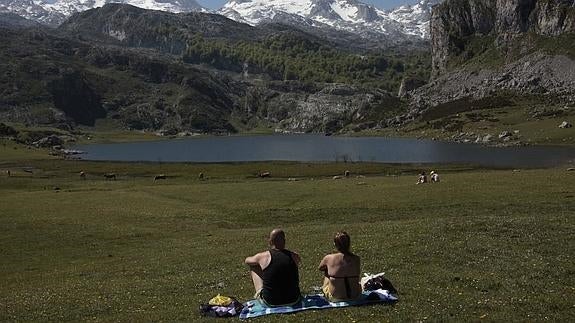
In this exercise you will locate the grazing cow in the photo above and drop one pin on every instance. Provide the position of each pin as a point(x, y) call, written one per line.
point(265, 174)
point(434, 177)
point(201, 176)
point(82, 175)
point(347, 173)
point(110, 176)
point(422, 179)
point(158, 177)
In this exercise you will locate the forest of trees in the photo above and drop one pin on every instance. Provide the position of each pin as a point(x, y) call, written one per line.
point(290, 56)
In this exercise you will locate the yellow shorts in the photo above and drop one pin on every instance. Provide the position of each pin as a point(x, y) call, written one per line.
point(327, 293)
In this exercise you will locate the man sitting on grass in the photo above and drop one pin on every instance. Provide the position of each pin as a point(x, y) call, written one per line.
point(275, 272)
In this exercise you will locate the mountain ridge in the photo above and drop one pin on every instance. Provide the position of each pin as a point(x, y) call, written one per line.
point(349, 18)
point(400, 24)
point(56, 11)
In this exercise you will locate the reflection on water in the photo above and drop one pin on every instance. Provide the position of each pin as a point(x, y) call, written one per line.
point(321, 148)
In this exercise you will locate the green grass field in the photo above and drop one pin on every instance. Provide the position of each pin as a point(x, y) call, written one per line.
point(482, 244)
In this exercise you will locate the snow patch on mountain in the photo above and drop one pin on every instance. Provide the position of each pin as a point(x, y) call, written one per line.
point(349, 15)
point(53, 12)
point(345, 11)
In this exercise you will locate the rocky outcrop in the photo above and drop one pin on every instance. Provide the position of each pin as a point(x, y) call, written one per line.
point(328, 108)
point(535, 74)
point(552, 18)
point(484, 51)
point(455, 21)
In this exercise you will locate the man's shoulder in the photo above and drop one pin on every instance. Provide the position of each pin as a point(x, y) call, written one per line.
point(264, 253)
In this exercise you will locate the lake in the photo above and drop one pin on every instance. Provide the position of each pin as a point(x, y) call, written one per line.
point(318, 148)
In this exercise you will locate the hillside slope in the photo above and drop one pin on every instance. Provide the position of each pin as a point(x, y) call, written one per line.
point(194, 72)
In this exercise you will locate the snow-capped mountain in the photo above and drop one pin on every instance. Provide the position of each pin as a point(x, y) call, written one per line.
point(54, 12)
point(349, 15)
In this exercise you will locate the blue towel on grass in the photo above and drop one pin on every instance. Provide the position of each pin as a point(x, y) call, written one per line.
point(255, 308)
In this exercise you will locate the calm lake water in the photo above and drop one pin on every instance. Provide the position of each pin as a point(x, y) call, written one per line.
point(317, 148)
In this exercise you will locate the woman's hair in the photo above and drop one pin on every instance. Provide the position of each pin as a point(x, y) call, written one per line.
point(342, 242)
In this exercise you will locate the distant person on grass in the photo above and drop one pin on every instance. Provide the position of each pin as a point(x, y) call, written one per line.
point(275, 272)
point(341, 270)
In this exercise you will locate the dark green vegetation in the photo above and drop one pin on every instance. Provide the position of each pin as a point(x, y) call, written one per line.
point(290, 56)
point(492, 244)
point(151, 70)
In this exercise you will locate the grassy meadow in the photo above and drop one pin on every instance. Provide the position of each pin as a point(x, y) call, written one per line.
point(497, 245)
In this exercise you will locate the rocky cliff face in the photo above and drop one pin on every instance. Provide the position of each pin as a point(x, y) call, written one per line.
point(319, 108)
point(553, 18)
point(454, 21)
point(484, 49)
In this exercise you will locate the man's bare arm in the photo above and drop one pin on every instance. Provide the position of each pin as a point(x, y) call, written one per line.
point(253, 260)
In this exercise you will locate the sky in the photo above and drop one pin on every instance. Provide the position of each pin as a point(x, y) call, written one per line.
point(383, 4)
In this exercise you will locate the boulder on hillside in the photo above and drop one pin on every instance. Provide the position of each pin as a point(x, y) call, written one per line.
point(49, 141)
point(487, 138)
point(505, 134)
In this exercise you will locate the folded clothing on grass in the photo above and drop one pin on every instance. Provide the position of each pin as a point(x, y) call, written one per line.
point(255, 308)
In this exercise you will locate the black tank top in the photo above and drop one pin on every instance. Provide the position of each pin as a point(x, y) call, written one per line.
point(281, 279)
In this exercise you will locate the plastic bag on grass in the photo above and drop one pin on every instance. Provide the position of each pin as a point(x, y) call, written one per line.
point(378, 281)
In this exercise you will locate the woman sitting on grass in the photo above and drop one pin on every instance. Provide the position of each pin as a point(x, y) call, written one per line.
point(342, 270)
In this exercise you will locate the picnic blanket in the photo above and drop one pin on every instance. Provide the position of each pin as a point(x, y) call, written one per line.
point(255, 308)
